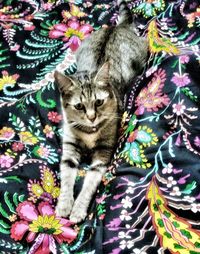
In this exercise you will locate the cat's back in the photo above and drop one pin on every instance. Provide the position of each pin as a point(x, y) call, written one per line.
point(127, 53)
point(91, 53)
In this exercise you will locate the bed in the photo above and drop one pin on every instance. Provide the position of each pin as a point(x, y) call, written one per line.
point(149, 198)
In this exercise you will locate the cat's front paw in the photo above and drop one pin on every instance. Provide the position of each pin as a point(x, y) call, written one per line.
point(78, 214)
point(64, 207)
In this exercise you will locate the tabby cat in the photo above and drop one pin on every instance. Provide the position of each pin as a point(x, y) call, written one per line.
point(91, 101)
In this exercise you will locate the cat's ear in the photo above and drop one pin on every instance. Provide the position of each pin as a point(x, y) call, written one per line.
point(63, 82)
point(102, 75)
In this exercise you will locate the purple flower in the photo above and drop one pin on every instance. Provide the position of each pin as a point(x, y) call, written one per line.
point(180, 80)
point(184, 59)
point(197, 141)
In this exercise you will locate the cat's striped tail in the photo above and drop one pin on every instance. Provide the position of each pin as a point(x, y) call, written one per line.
point(125, 15)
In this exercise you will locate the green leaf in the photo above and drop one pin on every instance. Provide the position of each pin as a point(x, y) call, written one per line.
point(176, 224)
point(4, 224)
point(12, 246)
point(160, 223)
point(167, 214)
point(64, 248)
point(177, 246)
point(21, 198)
point(13, 178)
point(155, 207)
point(190, 187)
point(197, 244)
point(15, 199)
point(158, 201)
point(186, 233)
point(8, 202)
point(3, 212)
point(168, 235)
point(4, 231)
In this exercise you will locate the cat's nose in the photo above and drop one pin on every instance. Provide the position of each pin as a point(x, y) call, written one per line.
point(92, 118)
point(91, 115)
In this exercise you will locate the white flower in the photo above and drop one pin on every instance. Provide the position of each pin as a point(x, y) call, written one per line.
point(188, 199)
point(127, 226)
point(127, 202)
point(170, 181)
point(138, 251)
point(122, 234)
point(130, 190)
point(175, 191)
point(173, 39)
point(131, 184)
point(125, 215)
point(126, 244)
point(178, 108)
point(168, 169)
point(122, 244)
point(195, 208)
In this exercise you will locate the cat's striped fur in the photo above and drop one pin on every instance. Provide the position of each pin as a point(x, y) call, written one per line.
point(89, 132)
point(91, 100)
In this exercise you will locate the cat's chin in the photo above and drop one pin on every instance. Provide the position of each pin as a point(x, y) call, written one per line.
point(94, 128)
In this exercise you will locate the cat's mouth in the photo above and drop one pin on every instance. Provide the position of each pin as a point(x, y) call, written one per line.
point(89, 128)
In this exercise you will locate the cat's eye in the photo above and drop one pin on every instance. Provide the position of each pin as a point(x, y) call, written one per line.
point(79, 106)
point(99, 102)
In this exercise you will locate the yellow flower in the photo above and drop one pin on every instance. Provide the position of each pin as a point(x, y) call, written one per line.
point(48, 130)
point(7, 80)
point(46, 189)
point(74, 12)
point(72, 32)
point(6, 133)
point(27, 138)
point(46, 224)
point(12, 217)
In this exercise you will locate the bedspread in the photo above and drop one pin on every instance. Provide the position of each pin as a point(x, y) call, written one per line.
point(149, 199)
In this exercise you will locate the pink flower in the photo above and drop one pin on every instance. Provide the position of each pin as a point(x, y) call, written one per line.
point(71, 33)
point(151, 97)
point(180, 80)
point(48, 130)
point(14, 47)
point(184, 59)
point(54, 117)
point(43, 151)
point(5, 161)
point(42, 226)
point(102, 216)
point(197, 141)
point(6, 133)
point(17, 146)
point(29, 27)
point(178, 108)
point(101, 199)
point(47, 6)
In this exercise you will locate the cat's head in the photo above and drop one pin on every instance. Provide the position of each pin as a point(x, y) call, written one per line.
point(88, 100)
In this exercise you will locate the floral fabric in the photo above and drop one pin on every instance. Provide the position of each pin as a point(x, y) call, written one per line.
point(149, 199)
